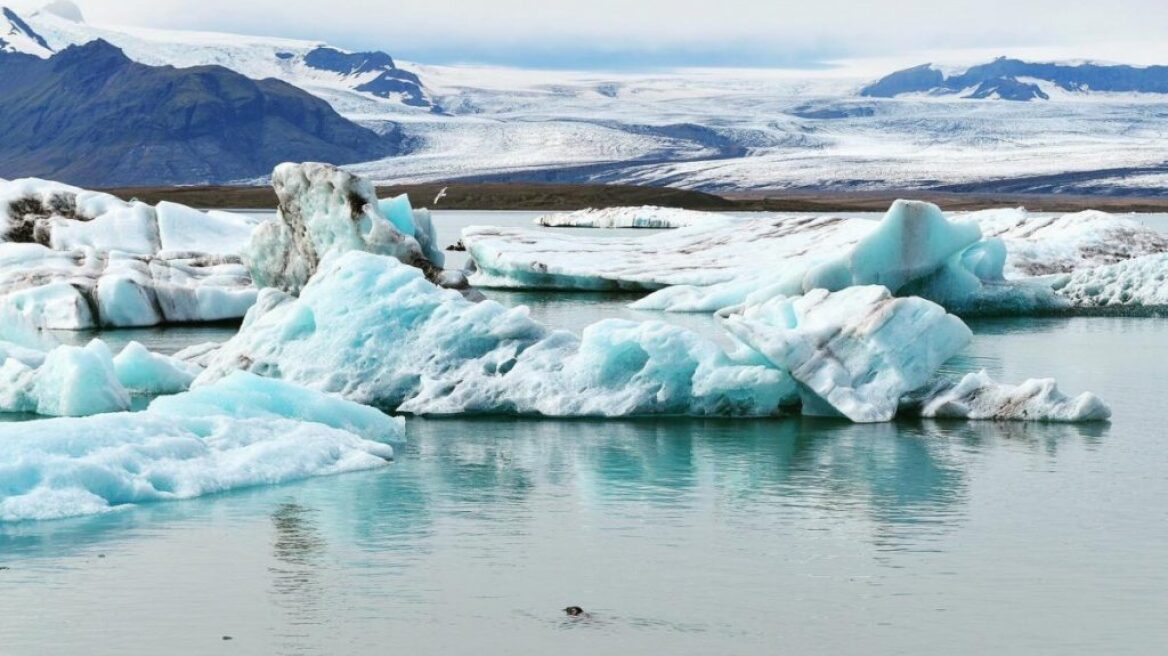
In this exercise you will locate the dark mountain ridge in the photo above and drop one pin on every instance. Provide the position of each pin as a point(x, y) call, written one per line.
point(91, 116)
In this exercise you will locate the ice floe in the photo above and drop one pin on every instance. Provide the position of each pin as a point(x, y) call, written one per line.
point(976, 263)
point(244, 431)
point(74, 259)
point(377, 332)
point(647, 216)
point(68, 381)
point(977, 396)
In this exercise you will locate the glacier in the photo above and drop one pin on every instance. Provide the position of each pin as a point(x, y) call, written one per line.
point(244, 431)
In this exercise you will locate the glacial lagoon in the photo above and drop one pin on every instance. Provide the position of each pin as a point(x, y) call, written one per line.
point(689, 536)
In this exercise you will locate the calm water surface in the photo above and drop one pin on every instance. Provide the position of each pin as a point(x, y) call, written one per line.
point(789, 536)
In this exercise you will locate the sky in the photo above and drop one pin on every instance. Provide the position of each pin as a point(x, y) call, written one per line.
point(613, 34)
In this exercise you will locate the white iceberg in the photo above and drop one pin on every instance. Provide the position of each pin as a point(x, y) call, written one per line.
point(324, 210)
point(375, 331)
point(977, 263)
point(854, 352)
point(73, 259)
point(977, 396)
point(187, 446)
point(647, 216)
point(1138, 283)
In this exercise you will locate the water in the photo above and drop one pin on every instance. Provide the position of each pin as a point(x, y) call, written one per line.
point(679, 536)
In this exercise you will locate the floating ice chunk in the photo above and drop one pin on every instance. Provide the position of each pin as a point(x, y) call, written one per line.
point(647, 216)
point(324, 210)
point(977, 396)
point(912, 241)
point(189, 445)
point(762, 251)
point(70, 381)
point(247, 396)
point(399, 212)
point(376, 332)
point(145, 372)
point(854, 352)
point(1138, 283)
point(183, 230)
point(1042, 245)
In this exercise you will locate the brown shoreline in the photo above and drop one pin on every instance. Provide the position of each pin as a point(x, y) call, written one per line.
point(565, 197)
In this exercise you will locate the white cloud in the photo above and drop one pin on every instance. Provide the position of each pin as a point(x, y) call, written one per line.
point(628, 26)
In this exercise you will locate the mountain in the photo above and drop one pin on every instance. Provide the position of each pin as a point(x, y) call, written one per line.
point(370, 83)
point(1014, 79)
point(90, 116)
point(17, 36)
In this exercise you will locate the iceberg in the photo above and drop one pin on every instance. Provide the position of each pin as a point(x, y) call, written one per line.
point(977, 396)
point(854, 352)
point(323, 210)
point(410, 346)
point(69, 381)
point(648, 216)
point(73, 259)
point(1138, 283)
point(144, 372)
point(977, 263)
point(186, 446)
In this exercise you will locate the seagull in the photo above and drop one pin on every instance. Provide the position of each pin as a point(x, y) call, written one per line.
point(441, 195)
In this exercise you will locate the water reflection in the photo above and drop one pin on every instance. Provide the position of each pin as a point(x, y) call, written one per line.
point(908, 480)
point(298, 550)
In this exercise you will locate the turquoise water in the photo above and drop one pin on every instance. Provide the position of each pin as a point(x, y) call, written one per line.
point(797, 536)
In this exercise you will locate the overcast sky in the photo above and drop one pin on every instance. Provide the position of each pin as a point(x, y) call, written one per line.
point(642, 33)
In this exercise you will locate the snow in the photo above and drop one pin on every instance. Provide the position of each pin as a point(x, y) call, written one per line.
point(375, 331)
point(145, 372)
point(73, 259)
point(647, 216)
point(325, 210)
point(854, 352)
point(186, 446)
point(70, 381)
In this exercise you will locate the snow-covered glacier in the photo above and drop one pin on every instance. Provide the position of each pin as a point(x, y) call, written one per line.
point(243, 431)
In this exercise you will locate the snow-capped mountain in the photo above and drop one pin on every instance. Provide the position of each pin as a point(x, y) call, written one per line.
point(17, 36)
point(363, 82)
point(1013, 79)
point(1101, 129)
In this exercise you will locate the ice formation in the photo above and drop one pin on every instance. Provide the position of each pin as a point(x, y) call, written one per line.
point(324, 210)
point(647, 216)
point(1138, 283)
point(377, 332)
point(69, 381)
point(144, 372)
point(244, 431)
point(74, 259)
point(982, 262)
point(976, 396)
point(854, 352)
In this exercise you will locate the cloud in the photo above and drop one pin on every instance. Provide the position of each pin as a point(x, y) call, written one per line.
point(759, 31)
